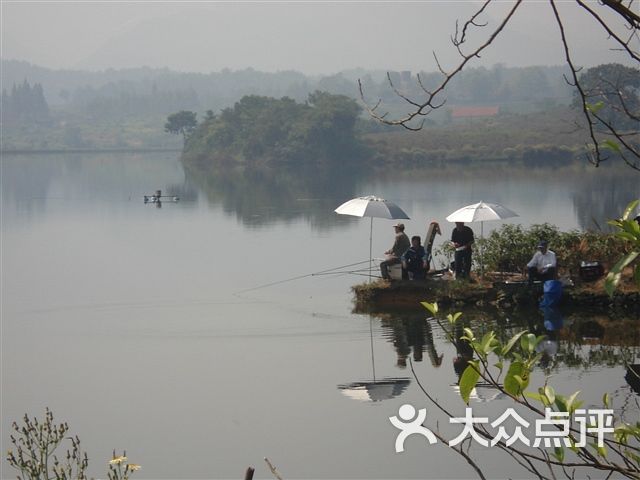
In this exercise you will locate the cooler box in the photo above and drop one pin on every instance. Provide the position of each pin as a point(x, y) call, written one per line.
point(395, 271)
point(590, 271)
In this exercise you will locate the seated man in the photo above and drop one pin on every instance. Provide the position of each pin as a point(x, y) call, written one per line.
point(400, 245)
point(543, 264)
point(414, 260)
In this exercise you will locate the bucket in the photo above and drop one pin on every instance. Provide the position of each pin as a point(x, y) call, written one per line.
point(552, 293)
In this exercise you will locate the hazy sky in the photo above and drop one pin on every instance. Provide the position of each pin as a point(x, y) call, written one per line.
point(311, 37)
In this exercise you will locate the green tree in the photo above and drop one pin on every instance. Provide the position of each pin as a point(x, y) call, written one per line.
point(183, 122)
point(328, 127)
point(267, 130)
point(628, 229)
point(613, 94)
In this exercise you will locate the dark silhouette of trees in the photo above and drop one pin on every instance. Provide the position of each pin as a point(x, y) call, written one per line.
point(25, 103)
point(183, 122)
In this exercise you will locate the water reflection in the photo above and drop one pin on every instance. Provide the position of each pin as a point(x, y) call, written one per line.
point(264, 196)
point(604, 192)
point(575, 198)
point(376, 389)
point(633, 377)
point(411, 335)
point(31, 184)
point(572, 339)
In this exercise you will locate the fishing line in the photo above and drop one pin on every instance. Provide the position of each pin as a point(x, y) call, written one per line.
point(298, 277)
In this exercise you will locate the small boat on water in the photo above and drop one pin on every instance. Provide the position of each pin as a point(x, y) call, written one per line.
point(158, 198)
point(164, 198)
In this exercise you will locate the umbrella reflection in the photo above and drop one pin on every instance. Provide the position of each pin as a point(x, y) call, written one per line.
point(377, 389)
point(482, 393)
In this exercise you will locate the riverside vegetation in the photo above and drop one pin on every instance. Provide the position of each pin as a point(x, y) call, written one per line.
point(507, 250)
point(36, 458)
point(506, 365)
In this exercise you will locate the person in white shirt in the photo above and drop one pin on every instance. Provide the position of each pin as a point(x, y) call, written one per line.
point(543, 265)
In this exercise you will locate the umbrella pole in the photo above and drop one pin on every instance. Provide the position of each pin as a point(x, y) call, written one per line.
point(373, 362)
point(370, 247)
point(481, 251)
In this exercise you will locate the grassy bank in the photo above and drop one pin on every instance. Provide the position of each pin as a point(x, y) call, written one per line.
point(535, 139)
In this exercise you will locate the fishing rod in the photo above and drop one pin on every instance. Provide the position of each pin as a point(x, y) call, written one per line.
point(299, 277)
point(362, 272)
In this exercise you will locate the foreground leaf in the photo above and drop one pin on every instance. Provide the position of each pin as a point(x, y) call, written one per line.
point(517, 379)
point(468, 381)
point(614, 276)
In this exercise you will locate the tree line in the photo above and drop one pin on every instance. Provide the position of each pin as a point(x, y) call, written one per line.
point(116, 94)
point(265, 130)
point(24, 102)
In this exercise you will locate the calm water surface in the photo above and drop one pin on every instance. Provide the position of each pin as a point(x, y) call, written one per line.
point(142, 326)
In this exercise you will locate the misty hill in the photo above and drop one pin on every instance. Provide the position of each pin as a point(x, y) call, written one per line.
point(78, 90)
point(127, 108)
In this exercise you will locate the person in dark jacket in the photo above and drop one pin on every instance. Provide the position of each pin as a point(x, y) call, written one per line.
point(462, 239)
point(414, 260)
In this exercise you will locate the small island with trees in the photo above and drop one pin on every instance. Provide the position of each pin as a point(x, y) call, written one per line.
point(268, 131)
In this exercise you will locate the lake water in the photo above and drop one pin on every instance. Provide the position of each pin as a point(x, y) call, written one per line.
point(151, 329)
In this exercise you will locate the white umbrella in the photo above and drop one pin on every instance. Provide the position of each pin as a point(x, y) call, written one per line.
point(371, 206)
point(481, 212)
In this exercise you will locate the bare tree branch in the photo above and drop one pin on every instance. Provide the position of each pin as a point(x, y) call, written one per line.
point(623, 43)
point(472, 21)
point(623, 11)
point(424, 107)
point(574, 71)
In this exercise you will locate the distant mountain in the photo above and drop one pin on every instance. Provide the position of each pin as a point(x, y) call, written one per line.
point(81, 89)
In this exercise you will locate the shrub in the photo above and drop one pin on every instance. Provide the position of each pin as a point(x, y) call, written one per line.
point(509, 248)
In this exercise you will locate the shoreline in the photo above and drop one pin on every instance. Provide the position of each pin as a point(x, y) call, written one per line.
point(88, 150)
point(381, 296)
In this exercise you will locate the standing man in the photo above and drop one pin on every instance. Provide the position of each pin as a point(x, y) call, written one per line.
point(400, 245)
point(543, 265)
point(462, 239)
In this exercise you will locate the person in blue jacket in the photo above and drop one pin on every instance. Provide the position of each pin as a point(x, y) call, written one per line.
point(414, 260)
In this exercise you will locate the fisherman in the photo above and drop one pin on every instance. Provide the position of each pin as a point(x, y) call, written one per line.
point(462, 239)
point(414, 260)
point(543, 264)
point(394, 254)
